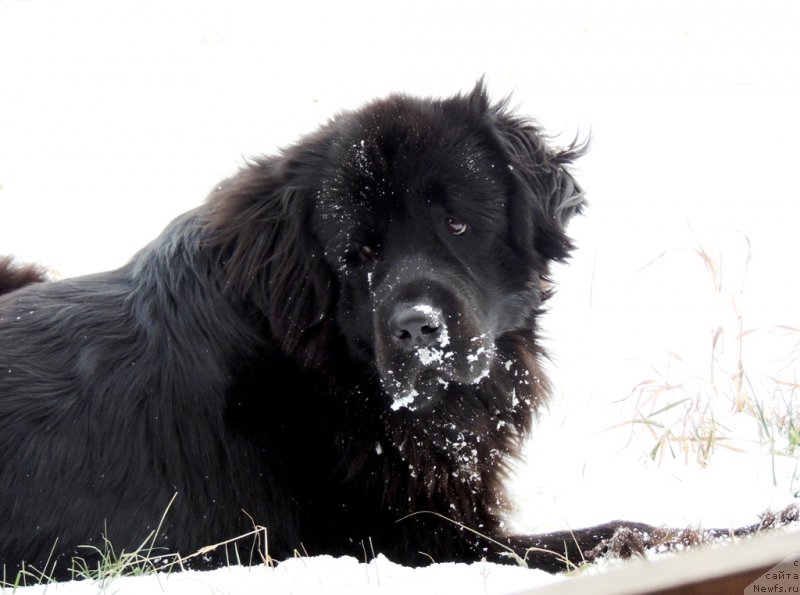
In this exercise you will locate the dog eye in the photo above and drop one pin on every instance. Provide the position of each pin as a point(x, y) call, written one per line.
point(358, 255)
point(456, 228)
point(366, 253)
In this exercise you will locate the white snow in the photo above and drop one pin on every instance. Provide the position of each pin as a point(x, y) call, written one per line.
point(323, 575)
point(118, 116)
point(405, 400)
point(473, 357)
point(429, 355)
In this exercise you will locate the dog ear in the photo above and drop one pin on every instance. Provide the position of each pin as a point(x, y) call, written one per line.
point(258, 226)
point(13, 275)
point(546, 196)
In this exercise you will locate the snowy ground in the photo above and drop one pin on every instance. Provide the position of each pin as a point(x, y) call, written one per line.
point(114, 117)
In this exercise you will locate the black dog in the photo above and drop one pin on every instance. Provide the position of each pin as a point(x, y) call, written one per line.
point(343, 335)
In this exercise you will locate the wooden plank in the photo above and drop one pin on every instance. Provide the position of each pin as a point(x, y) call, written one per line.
point(726, 568)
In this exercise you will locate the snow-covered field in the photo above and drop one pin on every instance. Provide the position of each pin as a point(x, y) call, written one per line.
point(115, 117)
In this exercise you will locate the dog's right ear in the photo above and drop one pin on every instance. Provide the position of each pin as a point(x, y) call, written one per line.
point(547, 195)
point(257, 227)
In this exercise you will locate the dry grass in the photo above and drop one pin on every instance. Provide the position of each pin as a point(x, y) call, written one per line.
point(690, 410)
point(109, 565)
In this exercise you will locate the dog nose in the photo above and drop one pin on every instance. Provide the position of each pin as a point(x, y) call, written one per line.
point(416, 325)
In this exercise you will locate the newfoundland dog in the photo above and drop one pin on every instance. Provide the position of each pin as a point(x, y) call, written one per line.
point(339, 345)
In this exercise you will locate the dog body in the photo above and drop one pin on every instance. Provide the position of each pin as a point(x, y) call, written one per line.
point(341, 336)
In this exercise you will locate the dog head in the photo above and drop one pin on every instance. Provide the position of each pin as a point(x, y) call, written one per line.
point(419, 231)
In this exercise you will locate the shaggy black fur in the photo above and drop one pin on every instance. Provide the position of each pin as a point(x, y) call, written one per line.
point(341, 336)
point(13, 275)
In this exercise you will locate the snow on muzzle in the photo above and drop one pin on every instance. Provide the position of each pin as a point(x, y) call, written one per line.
point(426, 342)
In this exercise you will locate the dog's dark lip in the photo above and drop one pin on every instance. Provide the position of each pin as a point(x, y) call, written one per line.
point(428, 374)
point(423, 391)
point(432, 381)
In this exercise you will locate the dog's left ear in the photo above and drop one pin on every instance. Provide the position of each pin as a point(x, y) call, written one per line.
point(257, 225)
point(545, 195)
